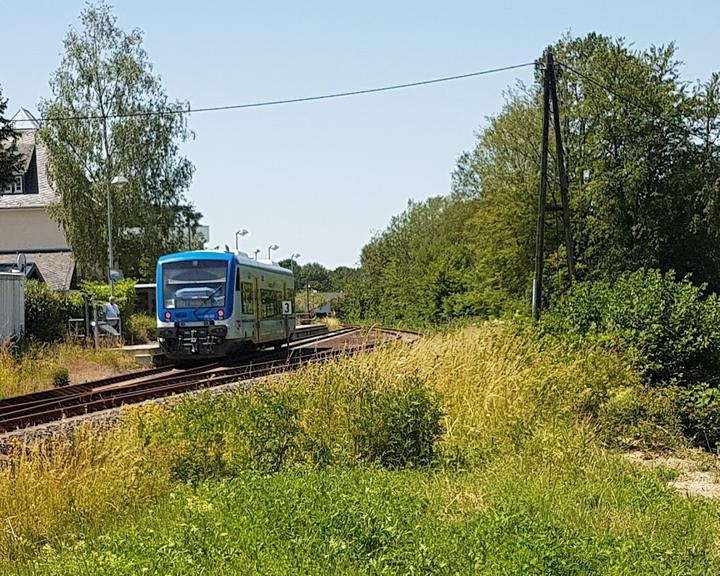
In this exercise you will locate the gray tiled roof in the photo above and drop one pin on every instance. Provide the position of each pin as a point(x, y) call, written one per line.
point(57, 268)
point(27, 144)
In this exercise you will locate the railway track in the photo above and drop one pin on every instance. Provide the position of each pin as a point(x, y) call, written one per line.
point(51, 405)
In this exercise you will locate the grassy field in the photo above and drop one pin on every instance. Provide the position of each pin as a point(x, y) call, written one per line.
point(35, 368)
point(483, 450)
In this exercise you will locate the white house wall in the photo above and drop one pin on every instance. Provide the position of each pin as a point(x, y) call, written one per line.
point(28, 230)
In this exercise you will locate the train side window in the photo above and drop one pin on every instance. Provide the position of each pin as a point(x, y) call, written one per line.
point(237, 280)
point(248, 298)
point(270, 303)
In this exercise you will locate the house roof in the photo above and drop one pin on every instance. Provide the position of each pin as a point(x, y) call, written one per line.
point(28, 144)
point(23, 119)
point(57, 268)
point(32, 272)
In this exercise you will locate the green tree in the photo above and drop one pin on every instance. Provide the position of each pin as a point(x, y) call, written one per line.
point(419, 270)
point(102, 122)
point(642, 162)
point(9, 155)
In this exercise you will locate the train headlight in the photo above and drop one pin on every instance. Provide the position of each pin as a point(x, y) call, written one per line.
point(221, 313)
point(167, 314)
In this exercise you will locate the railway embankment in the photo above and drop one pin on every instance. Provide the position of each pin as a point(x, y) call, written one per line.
point(480, 449)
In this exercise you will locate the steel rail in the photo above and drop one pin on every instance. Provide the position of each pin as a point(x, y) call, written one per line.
point(116, 397)
point(90, 397)
point(86, 387)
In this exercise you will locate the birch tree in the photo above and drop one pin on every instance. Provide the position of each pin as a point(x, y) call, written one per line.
point(109, 115)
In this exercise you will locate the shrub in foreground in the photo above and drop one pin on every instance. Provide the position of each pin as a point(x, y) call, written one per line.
point(274, 427)
point(672, 324)
point(399, 426)
point(674, 329)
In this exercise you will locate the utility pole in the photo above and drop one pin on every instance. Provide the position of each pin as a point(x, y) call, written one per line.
point(540, 237)
point(562, 172)
point(550, 96)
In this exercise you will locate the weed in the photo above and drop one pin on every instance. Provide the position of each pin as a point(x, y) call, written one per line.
point(60, 377)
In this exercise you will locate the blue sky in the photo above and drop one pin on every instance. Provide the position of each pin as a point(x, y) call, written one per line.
point(321, 178)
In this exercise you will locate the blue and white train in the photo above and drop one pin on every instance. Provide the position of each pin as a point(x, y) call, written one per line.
point(212, 304)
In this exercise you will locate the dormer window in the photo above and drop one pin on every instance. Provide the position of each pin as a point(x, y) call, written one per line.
point(15, 187)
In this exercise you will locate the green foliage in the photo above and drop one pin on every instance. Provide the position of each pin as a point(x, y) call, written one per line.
point(675, 330)
point(60, 377)
point(421, 270)
point(672, 325)
point(272, 429)
point(643, 190)
point(222, 436)
point(533, 515)
point(702, 414)
point(47, 312)
point(140, 329)
point(104, 74)
point(124, 294)
point(400, 426)
point(10, 158)
point(647, 418)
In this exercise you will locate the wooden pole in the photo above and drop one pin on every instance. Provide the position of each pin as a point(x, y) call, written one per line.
point(562, 173)
point(540, 239)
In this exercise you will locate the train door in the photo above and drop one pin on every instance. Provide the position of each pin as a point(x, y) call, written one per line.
point(256, 288)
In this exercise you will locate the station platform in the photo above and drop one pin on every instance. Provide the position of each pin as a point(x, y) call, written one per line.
point(148, 355)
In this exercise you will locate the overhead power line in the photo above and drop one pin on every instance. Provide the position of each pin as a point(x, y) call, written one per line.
point(266, 103)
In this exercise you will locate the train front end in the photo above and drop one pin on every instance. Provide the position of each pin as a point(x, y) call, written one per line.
point(194, 304)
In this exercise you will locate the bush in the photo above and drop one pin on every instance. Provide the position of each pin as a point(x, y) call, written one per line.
point(124, 294)
point(60, 377)
point(702, 415)
point(399, 426)
point(675, 329)
point(140, 329)
point(642, 417)
point(47, 312)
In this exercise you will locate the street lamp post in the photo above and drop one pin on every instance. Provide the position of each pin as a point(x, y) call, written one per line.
point(117, 182)
point(242, 232)
point(257, 251)
point(272, 247)
point(292, 261)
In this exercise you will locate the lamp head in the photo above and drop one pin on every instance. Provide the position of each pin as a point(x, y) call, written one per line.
point(119, 182)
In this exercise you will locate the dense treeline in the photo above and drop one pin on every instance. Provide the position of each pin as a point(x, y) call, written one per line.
point(316, 277)
point(644, 168)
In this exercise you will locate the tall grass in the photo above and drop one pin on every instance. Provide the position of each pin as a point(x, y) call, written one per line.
point(65, 486)
point(511, 476)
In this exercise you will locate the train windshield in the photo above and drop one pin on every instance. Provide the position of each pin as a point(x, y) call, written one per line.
point(194, 283)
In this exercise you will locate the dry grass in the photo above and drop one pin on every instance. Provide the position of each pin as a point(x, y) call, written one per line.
point(33, 369)
point(495, 385)
point(68, 485)
point(332, 323)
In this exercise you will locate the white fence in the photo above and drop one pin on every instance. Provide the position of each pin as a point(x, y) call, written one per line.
point(12, 305)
